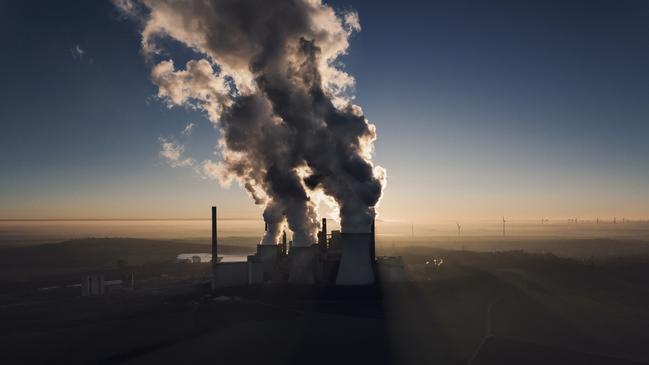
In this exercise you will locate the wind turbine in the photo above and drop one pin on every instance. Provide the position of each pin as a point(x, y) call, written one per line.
point(504, 221)
point(459, 229)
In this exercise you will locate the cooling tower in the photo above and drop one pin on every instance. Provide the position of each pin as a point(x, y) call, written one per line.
point(356, 263)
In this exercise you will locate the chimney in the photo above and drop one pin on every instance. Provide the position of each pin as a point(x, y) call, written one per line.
point(284, 248)
point(322, 236)
point(372, 242)
point(214, 241)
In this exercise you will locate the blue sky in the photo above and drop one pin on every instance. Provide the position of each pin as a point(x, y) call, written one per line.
point(483, 109)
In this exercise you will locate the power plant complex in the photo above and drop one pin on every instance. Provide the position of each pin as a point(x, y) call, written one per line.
point(337, 258)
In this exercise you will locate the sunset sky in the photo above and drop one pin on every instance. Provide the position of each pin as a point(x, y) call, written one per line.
point(482, 108)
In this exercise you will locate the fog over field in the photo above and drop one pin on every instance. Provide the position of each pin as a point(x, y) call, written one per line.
point(562, 238)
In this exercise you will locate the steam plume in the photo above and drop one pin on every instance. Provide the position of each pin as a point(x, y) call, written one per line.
point(267, 77)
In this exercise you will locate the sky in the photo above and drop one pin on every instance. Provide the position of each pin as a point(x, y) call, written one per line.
point(483, 109)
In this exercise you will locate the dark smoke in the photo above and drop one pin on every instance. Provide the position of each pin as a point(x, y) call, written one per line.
point(287, 128)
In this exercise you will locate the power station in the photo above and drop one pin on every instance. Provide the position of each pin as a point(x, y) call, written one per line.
point(337, 258)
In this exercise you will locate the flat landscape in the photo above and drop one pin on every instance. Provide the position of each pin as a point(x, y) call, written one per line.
point(587, 303)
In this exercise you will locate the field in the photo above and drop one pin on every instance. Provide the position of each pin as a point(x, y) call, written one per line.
point(589, 304)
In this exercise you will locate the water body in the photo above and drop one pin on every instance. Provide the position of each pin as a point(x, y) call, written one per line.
point(207, 257)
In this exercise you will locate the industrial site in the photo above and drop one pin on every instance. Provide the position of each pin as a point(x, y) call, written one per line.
point(479, 300)
point(324, 182)
point(338, 258)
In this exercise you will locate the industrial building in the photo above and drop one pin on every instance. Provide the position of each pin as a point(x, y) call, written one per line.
point(338, 258)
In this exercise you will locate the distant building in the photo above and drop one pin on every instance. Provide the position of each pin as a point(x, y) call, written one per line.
point(93, 285)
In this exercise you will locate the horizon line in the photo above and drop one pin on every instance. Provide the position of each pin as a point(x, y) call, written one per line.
point(388, 220)
point(120, 219)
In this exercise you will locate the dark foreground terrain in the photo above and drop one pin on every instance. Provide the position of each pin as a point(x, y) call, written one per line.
point(474, 308)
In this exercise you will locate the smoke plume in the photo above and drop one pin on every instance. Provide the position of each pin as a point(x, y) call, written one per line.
point(267, 75)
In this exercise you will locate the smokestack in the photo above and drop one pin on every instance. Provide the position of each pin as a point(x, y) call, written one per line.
point(214, 238)
point(372, 242)
point(322, 236)
point(215, 251)
point(284, 248)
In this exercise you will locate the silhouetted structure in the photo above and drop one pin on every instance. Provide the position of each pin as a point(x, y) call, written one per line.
point(373, 241)
point(322, 236)
point(93, 285)
point(215, 251)
point(284, 244)
point(214, 238)
point(340, 258)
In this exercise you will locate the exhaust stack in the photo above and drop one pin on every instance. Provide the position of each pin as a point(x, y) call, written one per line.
point(215, 251)
point(373, 242)
point(215, 257)
point(322, 235)
point(284, 247)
